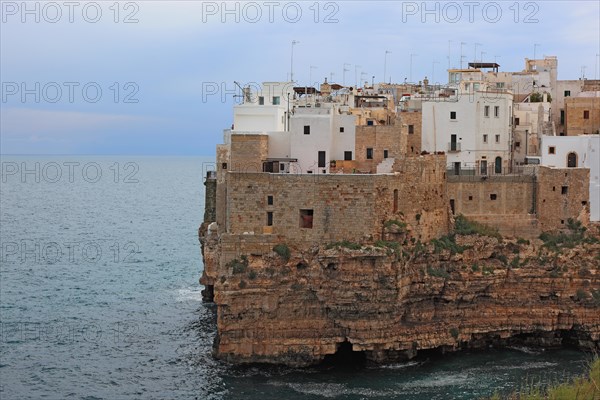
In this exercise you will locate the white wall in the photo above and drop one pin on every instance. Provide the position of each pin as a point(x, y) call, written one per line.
point(587, 148)
point(470, 126)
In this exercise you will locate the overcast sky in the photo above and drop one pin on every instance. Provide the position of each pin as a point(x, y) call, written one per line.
point(141, 77)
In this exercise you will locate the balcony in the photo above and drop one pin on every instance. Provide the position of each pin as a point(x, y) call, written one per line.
point(453, 147)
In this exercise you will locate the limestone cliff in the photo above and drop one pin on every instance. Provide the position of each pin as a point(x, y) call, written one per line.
point(391, 300)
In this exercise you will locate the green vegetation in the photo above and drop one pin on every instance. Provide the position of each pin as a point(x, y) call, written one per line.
point(283, 251)
point(522, 241)
point(500, 257)
point(463, 226)
point(596, 297)
point(539, 97)
point(392, 223)
point(581, 388)
point(447, 243)
point(475, 267)
point(389, 245)
point(515, 262)
point(252, 275)
point(242, 284)
point(239, 266)
point(555, 241)
point(437, 272)
point(344, 243)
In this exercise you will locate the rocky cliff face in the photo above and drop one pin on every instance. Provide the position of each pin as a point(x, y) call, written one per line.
point(390, 301)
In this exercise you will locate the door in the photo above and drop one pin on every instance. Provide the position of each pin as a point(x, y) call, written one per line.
point(452, 206)
point(498, 165)
point(321, 159)
point(457, 168)
point(348, 155)
point(572, 160)
point(452, 142)
point(483, 167)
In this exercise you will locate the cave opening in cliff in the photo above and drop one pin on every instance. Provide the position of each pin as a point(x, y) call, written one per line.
point(345, 357)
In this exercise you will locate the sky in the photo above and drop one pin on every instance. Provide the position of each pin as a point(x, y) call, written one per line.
point(157, 78)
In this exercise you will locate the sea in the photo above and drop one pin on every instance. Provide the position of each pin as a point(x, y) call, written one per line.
point(99, 299)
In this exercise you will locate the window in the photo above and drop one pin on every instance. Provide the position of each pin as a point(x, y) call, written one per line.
point(564, 190)
point(341, 129)
point(496, 111)
point(370, 122)
point(470, 198)
point(493, 196)
point(452, 114)
point(270, 218)
point(486, 111)
point(385, 154)
point(369, 153)
point(485, 138)
point(517, 144)
point(224, 165)
point(551, 150)
point(497, 138)
point(411, 129)
point(276, 100)
point(321, 160)
point(517, 120)
point(261, 100)
point(586, 114)
point(567, 93)
point(306, 219)
point(270, 200)
point(347, 155)
point(307, 129)
point(562, 117)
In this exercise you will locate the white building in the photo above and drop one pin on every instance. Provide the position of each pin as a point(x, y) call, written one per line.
point(304, 134)
point(471, 123)
point(576, 152)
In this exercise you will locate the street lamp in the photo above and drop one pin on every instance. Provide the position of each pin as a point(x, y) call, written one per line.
point(344, 74)
point(385, 64)
point(475, 55)
point(411, 59)
point(294, 42)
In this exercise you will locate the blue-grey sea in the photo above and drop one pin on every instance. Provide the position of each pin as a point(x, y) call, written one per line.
point(99, 299)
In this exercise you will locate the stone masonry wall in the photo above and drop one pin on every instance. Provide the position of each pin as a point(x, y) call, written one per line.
point(379, 138)
point(562, 193)
point(413, 141)
point(345, 207)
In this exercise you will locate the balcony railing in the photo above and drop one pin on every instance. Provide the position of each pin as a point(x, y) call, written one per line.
point(453, 147)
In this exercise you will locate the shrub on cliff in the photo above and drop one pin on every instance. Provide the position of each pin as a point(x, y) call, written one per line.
point(573, 236)
point(437, 272)
point(344, 243)
point(283, 251)
point(447, 243)
point(239, 266)
point(463, 226)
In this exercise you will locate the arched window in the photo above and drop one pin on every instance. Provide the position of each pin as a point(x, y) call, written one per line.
point(498, 165)
point(572, 160)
